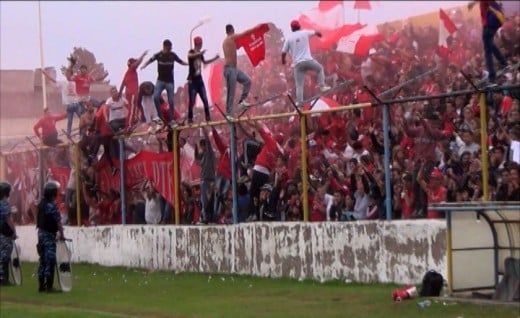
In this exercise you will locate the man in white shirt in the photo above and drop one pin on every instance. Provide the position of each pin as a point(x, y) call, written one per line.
point(152, 199)
point(297, 44)
point(69, 99)
point(117, 110)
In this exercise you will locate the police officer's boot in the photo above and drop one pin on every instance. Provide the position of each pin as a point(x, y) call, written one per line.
point(49, 282)
point(41, 284)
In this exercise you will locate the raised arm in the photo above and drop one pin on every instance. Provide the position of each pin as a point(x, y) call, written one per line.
point(210, 60)
point(238, 35)
point(153, 58)
point(140, 59)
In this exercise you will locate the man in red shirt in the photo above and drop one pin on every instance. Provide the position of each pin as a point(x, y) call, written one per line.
point(265, 164)
point(104, 136)
point(492, 19)
point(131, 85)
point(47, 125)
point(83, 80)
point(223, 173)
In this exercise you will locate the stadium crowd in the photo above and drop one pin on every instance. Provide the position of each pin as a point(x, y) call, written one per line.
point(435, 145)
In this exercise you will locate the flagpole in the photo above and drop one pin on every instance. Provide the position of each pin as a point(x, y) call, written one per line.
point(44, 84)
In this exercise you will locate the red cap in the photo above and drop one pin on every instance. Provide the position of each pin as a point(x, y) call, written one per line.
point(295, 24)
point(197, 40)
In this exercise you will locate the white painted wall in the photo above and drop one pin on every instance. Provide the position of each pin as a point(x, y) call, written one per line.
point(371, 251)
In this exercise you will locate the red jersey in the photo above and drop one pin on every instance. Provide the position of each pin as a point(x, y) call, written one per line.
point(100, 123)
point(48, 125)
point(254, 44)
point(131, 81)
point(269, 153)
point(223, 167)
point(436, 196)
point(506, 105)
point(83, 84)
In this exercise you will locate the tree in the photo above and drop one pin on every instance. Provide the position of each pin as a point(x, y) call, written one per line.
point(82, 56)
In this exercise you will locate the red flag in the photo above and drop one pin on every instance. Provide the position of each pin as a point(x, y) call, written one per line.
point(327, 5)
point(254, 44)
point(326, 18)
point(446, 28)
point(362, 5)
point(360, 42)
point(213, 79)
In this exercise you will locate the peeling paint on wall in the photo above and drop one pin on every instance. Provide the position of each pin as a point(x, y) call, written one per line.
point(371, 251)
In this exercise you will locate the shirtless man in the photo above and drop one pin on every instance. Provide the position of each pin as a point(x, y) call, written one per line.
point(231, 72)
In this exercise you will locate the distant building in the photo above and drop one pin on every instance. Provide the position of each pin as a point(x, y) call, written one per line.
point(21, 93)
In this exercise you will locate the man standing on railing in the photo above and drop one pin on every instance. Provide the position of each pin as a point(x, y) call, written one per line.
point(165, 80)
point(195, 81)
point(47, 125)
point(131, 85)
point(492, 18)
point(232, 73)
point(297, 44)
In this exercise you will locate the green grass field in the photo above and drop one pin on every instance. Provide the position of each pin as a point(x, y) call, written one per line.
point(119, 292)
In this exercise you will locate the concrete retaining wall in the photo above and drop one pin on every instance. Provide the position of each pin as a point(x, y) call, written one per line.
point(373, 251)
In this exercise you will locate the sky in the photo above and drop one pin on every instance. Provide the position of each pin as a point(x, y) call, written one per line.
point(117, 30)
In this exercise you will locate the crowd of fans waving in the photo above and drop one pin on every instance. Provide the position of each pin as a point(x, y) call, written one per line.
point(435, 145)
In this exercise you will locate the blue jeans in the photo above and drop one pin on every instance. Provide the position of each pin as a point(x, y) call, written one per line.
point(233, 75)
point(490, 50)
point(73, 108)
point(157, 91)
point(196, 86)
point(300, 70)
point(167, 211)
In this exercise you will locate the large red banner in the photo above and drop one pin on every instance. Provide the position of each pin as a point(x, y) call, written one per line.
point(156, 167)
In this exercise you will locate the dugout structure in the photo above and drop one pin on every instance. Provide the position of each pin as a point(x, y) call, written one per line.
point(483, 247)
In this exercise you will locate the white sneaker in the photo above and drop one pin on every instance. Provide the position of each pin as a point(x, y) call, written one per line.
point(324, 88)
point(230, 118)
point(244, 104)
point(173, 124)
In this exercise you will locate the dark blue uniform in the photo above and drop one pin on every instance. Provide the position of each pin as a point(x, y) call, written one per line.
point(48, 220)
point(6, 241)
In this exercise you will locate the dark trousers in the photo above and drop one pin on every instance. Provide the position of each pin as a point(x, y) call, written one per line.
point(51, 140)
point(490, 51)
point(257, 181)
point(196, 86)
point(420, 198)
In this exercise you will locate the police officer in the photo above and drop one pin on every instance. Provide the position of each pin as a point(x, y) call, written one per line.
point(7, 232)
point(48, 224)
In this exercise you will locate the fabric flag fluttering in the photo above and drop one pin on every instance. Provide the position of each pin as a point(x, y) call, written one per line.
point(254, 43)
point(360, 42)
point(362, 5)
point(212, 75)
point(446, 28)
point(328, 18)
